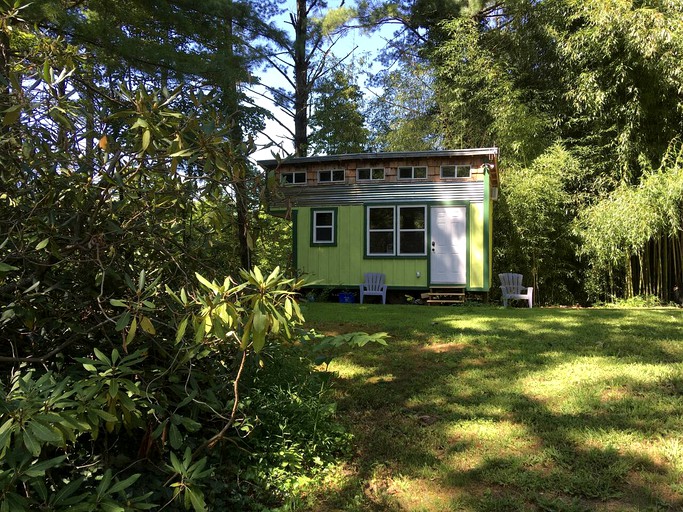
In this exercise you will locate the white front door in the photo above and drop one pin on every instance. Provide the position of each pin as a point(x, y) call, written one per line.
point(448, 245)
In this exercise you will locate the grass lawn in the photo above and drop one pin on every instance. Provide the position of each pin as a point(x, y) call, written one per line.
point(491, 409)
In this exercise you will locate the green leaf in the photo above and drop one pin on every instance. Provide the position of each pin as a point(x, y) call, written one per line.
point(4, 267)
point(124, 484)
point(147, 325)
point(182, 327)
point(113, 388)
point(146, 139)
point(110, 506)
point(196, 498)
point(47, 76)
point(11, 116)
point(260, 322)
point(177, 466)
point(118, 303)
point(39, 468)
point(175, 437)
point(206, 283)
point(259, 341)
point(123, 321)
point(101, 356)
point(131, 331)
point(31, 444)
point(104, 483)
point(141, 280)
point(106, 416)
point(43, 433)
point(65, 492)
point(5, 433)
point(42, 244)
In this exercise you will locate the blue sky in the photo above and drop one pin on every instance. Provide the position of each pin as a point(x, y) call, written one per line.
point(356, 43)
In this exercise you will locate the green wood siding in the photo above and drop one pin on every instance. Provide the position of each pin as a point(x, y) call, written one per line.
point(476, 257)
point(344, 264)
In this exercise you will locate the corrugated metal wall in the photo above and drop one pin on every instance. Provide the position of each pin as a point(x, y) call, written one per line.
point(338, 195)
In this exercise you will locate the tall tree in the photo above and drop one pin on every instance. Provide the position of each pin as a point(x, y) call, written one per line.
point(304, 60)
point(212, 46)
point(600, 77)
point(337, 122)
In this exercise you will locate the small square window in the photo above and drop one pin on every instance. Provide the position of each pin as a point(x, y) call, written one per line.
point(367, 173)
point(405, 173)
point(293, 178)
point(448, 171)
point(463, 171)
point(335, 175)
point(412, 173)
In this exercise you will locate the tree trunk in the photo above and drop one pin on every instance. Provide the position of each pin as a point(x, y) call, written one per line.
point(4, 78)
point(239, 173)
point(301, 92)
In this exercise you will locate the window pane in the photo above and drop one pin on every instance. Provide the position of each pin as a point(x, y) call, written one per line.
point(419, 172)
point(405, 172)
point(338, 175)
point(412, 218)
point(381, 242)
point(381, 218)
point(287, 178)
point(448, 171)
point(323, 218)
point(300, 177)
point(323, 234)
point(378, 174)
point(463, 171)
point(412, 242)
point(324, 176)
point(363, 174)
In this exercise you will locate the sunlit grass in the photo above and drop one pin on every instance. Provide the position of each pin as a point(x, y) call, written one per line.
point(478, 409)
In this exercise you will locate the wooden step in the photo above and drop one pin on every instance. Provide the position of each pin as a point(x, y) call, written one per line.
point(444, 295)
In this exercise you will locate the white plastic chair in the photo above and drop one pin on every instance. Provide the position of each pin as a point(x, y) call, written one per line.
point(511, 286)
point(374, 285)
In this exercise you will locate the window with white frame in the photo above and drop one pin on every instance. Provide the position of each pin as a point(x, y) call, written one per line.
point(370, 173)
point(412, 230)
point(293, 178)
point(396, 230)
point(455, 171)
point(412, 173)
point(323, 227)
point(334, 175)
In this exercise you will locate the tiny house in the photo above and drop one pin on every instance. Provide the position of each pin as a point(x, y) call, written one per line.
point(422, 218)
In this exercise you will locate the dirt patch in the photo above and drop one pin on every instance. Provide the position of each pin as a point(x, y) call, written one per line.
point(444, 348)
point(613, 394)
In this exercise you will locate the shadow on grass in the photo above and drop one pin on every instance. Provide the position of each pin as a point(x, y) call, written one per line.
point(489, 409)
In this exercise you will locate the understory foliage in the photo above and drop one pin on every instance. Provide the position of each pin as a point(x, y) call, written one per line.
point(533, 235)
point(636, 233)
point(135, 375)
point(602, 81)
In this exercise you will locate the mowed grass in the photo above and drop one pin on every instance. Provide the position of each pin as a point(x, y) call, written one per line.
point(491, 409)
